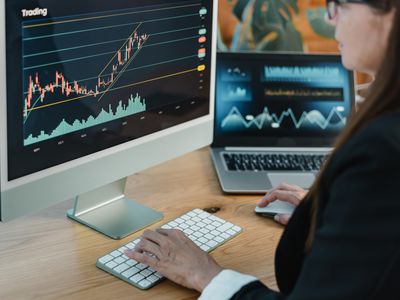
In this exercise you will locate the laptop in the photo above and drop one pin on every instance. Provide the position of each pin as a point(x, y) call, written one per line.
point(276, 117)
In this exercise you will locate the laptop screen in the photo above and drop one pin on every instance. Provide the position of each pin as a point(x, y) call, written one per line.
point(287, 100)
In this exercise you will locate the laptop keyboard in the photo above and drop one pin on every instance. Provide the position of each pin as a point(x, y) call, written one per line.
point(273, 162)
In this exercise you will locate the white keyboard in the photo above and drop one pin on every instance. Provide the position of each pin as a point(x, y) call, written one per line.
point(206, 230)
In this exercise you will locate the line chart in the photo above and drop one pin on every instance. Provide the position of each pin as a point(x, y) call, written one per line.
point(267, 119)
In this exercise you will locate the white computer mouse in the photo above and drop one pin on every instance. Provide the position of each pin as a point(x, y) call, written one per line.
point(276, 207)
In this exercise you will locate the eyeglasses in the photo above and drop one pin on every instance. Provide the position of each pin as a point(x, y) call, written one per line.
point(332, 6)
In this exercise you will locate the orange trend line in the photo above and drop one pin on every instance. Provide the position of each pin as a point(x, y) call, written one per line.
point(118, 88)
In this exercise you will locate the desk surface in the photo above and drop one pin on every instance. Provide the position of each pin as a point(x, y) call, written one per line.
point(48, 256)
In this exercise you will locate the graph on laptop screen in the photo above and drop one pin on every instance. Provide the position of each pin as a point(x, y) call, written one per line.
point(290, 95)
point(98, 74)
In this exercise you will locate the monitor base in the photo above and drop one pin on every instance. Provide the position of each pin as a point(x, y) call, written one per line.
point(108, 211)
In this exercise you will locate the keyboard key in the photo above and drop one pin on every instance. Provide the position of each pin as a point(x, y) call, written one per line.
point(191, 214)
point(115, 253)
point(121, 268)
point(210, 227)
point(212, 244)
point(197, 234)
point(216, 223)
point(144, 283)
point(201, 224)
point(194, 227)
point(207, 221)
point(105, 259)
point(130, 245)
point(230, 232)
point(236, 228)
point(183, 226)
point(209, 236)
point(214, 218)
point(131, 262)
point(190, 222)
point(141, 266)
point(225, 227)
point(119, 260)
point(218, 239)
point(215, 233)
point(225, 236)
point(202, 240)
point(122, 249)
point(173, 224)
point(205, 247)
point(188, 231)
point(130, 272)
point(146, 272)
point(204, 215)
point(179, 220)
point(204, 231)
point(152, 278)
point(136, 278)
point(111, 264)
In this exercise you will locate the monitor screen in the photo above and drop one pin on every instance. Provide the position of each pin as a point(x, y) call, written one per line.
point(83, 76)
point(267, 99)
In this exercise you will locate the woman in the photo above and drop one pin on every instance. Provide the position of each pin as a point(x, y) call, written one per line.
point(343, 241)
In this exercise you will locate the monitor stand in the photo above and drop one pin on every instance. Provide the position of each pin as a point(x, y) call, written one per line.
point(108, 211)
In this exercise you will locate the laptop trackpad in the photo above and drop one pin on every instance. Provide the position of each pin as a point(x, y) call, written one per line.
point(303, 180)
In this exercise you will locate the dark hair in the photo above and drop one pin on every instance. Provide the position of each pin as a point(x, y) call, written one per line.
point(383, 98)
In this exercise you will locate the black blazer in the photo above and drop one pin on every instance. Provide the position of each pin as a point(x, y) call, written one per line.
point(356, 250)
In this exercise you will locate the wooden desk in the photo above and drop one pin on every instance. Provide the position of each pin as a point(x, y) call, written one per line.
point(48, 256)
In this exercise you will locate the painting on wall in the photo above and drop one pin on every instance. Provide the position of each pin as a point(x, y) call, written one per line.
point(275, 25)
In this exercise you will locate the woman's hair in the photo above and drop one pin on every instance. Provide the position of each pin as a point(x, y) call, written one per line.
point(383, 97)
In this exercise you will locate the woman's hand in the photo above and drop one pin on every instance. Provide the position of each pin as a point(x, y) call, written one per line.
point(176, 257)
point(284, 192)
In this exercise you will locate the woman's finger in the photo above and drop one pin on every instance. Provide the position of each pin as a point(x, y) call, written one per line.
point(282, 218)
point(270, 197)
point(288, 187)
point(146, 245)
point(288, 196)
point(156, 237)
point(143, 258)
point(282, 187)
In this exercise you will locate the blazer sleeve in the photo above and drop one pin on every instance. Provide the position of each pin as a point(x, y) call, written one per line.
point(355, 254)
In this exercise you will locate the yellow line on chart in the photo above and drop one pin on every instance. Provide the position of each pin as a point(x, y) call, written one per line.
point(107, 16)
point(118, 88)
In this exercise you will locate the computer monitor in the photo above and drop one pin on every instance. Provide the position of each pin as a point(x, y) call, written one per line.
point(94, 91)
